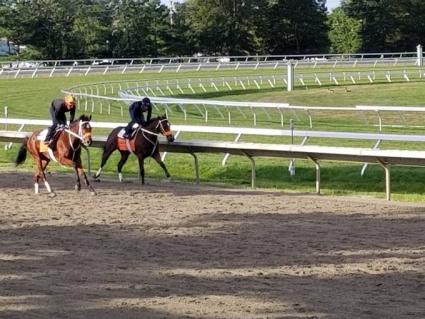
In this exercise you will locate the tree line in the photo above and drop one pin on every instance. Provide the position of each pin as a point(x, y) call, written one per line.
point(61, 29)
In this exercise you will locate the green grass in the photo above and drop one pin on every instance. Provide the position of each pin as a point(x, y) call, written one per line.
point(30, 98)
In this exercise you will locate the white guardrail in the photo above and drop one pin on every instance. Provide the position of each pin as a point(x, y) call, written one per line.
point(310, 152)
point(50, 68)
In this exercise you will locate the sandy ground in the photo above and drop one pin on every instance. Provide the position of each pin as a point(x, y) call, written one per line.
point(170, 250)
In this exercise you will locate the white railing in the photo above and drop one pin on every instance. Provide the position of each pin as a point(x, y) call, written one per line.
point(51, 68)
point(385, 158)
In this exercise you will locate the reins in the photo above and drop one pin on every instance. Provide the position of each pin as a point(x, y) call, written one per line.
point(155, 144)
point(79, 136)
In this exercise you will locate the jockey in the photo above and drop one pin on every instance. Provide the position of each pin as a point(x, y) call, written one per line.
point(57, 111)
point(136, 110)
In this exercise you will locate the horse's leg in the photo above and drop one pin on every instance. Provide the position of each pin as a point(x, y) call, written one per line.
point(107, 151)
point(36, 180)
point(44, 164)
point(80, 172)
point(41, 166)
point(141, 159)
point(77, 173)
point(157, 158)
point(123, 160)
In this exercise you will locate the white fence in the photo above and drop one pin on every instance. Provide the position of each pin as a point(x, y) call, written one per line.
point(49, 68)
point(385, 158)
point(313, 153)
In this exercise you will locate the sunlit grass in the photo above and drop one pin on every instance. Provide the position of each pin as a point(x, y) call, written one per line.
point(30, 98)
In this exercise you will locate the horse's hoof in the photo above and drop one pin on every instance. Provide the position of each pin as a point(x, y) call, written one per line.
point(93, 193)
point(77, 188)
point(166, 180)
point(52, 194)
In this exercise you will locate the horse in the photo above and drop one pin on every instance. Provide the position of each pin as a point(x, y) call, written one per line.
point(143, 143)
point(67, 152)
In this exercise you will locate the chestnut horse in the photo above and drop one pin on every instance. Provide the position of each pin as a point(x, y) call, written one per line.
point(144, 143)
point(67, 152)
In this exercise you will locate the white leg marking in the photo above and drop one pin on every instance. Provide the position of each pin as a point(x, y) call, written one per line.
point(98, 172)
point(36, 188)
point(120, 177)
point(49, 189)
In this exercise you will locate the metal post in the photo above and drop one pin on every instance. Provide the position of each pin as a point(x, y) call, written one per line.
point(419, 51)
point(6, 115)
point(386, 168)
point(196, 167)
point(291, 167)
point(290, 79)
point(316, 163)
point(253, 176)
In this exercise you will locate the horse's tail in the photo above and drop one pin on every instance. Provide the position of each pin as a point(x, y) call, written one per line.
point(22, 154)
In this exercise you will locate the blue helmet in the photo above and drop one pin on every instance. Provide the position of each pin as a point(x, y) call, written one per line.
point(146, 102)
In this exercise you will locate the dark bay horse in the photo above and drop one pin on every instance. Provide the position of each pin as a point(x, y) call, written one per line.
point(67, 152)
point(143, 144)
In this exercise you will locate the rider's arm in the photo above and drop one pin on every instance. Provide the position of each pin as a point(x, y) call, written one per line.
point(148, 117)
point(72, 114)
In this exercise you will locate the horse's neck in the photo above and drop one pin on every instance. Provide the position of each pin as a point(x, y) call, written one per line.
point(70, 135)
point(151, 127)
point(144, 132)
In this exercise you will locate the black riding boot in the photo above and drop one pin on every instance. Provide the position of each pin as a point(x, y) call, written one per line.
point(128, 131)
point(49, 135)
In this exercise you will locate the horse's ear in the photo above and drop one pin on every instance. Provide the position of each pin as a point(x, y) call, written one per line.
point(90, 117)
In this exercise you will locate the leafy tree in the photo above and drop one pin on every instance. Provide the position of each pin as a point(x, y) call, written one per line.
point(297, 26)
point(344, 33)
point(380, 20)
point(90, 30)
point(138, 28)
point(225, 26)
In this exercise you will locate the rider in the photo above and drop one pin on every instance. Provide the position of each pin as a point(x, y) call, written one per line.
point(136, 110)
point(57, 111)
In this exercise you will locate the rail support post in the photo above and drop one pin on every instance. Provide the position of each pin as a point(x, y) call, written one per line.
point(419, 51)
point(386, 168)
point(253, 175)
point(196, 167)
point(317, 165)
point(290, 76)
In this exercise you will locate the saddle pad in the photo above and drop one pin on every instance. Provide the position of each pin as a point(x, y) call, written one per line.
point(123, 144)
point(43, 146)
point(121, 133)
point(42, 135)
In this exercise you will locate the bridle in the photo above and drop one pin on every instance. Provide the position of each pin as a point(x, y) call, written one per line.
point(81, 135)
point(162, 130)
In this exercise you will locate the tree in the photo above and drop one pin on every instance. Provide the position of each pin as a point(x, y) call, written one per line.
point(90, 30)
point(344, 33)
point(380, 22)
point(225, 26)
point(297, 26)
point(138, 27)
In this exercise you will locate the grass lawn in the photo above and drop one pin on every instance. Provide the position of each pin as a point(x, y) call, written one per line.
point(30, 98)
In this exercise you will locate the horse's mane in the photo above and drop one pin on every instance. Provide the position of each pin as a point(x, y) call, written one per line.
point(155, 119)
point(83, 117)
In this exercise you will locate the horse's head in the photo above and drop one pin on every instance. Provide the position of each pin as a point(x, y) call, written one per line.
point(163, 126)
point(82, 128)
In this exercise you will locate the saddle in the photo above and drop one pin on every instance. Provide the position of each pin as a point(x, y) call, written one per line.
point(124, 144)
point(42, 136)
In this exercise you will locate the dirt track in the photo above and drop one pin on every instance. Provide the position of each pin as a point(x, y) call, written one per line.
point(181, 251)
